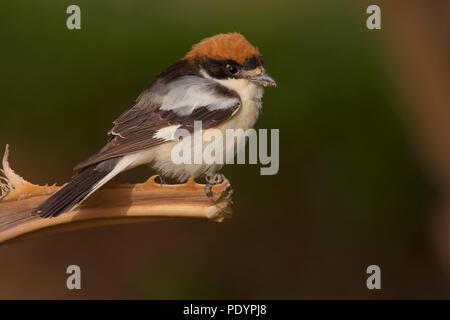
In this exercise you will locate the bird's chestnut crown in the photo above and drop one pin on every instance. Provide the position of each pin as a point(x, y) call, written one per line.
point(229, 55)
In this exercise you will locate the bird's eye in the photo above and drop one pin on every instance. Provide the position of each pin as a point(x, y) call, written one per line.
point(232, 68)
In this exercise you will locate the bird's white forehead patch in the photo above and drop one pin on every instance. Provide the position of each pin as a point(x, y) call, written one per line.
point(166, 133)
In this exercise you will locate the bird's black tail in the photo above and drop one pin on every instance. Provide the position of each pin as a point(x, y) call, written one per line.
point(78, 189)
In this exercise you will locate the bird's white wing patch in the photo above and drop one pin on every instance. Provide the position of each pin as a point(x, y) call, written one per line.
point(166, 133)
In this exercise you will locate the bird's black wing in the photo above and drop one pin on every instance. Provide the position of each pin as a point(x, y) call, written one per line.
point(164, 107)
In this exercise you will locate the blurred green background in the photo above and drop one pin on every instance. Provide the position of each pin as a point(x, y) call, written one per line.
point(350, 191)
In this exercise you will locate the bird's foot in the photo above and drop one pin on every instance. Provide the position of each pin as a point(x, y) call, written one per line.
point(161, 180)
point(212, 180)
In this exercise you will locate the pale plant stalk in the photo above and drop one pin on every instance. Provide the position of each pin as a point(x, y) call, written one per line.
point(113, 204)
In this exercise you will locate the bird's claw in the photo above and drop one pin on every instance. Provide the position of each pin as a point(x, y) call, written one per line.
point(226, 194)
point(161, 180)
point(214, 179)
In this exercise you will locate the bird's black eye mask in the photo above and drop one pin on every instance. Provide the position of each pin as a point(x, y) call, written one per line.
point(224, 69)
point(253, 63)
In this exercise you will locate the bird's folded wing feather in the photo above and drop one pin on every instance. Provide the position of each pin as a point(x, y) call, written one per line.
point(165, 106)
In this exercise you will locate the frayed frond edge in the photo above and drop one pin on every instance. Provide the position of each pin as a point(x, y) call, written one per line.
point(5, 185)
point(14, 187)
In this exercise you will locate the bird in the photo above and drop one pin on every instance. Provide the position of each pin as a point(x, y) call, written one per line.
point(219, 82)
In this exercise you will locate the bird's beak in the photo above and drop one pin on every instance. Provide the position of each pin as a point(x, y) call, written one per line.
point(264, 79)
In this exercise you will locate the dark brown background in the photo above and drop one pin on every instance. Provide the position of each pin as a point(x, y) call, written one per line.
point(364, 151)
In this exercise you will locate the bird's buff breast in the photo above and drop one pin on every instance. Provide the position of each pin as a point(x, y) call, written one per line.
point(160, 156)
